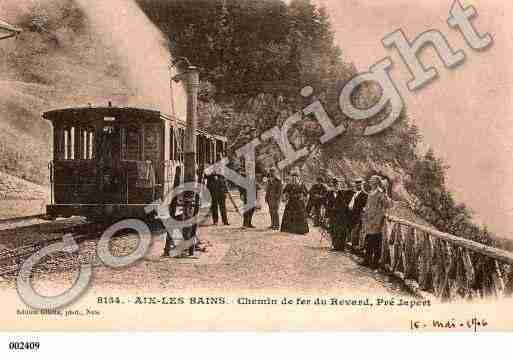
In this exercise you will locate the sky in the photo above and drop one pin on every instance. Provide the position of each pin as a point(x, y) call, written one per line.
point(465, 114)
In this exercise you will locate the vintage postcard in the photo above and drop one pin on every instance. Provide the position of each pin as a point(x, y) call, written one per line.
point(266, 165)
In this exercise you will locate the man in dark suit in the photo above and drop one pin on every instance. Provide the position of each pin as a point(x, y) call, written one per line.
point(356, 206)
point(329, 204)
point(273, 197)
point(317, 193)
point(248, 214)
point(216, 185)
point(342, 216)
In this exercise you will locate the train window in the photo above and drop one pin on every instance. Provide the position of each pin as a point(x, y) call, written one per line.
point(178, 144)
point(182, 143)
point(199, 151)
point(91, 144)
point(83, 139)
point(69, 143)
point(87, 141)
point(204, 157)
point(206, 148)
point(172, 144)
point(177, 138)
point(210, 147)
point(66, 144)
point(151, 142)
point(212, 151)
point(132, 144)
point(72, 135)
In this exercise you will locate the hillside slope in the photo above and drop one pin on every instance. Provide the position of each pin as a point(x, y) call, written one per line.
point(19, 198)
point(57, 61)
point(14, 188)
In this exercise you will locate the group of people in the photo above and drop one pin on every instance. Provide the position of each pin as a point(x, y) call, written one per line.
point(346, 211)
point(294, 193)
point(343, 210)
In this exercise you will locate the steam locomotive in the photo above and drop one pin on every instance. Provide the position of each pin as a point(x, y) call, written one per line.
point(113, 162)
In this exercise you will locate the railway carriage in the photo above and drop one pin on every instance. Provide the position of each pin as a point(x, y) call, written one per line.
point(112, 162)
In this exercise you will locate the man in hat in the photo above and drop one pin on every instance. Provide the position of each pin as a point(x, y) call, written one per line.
point(248, 214)
point(273, 197)
point(329, 203)
point(372, 220)
point(216, 184)
point(356, 206)
point(341, 215)
point(316, 196)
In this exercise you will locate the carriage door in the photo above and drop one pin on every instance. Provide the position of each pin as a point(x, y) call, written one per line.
point(109, 169)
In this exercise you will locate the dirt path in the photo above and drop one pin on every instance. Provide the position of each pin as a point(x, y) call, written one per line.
point(238, 259)
point(264, 259)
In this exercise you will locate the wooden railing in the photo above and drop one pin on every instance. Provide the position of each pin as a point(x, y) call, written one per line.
point(448, 267)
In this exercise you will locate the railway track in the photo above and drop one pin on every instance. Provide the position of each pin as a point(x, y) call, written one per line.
point(11, 260)
point(22, 219)
point(30, 238)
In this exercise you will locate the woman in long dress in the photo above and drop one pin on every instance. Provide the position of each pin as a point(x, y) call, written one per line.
point(294, 217)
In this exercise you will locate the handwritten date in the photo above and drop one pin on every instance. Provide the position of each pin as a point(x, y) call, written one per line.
point(474, 324)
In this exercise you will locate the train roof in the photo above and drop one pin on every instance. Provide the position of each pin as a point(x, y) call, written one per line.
point(92, 113)
point(96, 112)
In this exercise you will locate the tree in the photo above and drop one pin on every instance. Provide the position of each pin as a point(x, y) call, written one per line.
point(255, 57)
